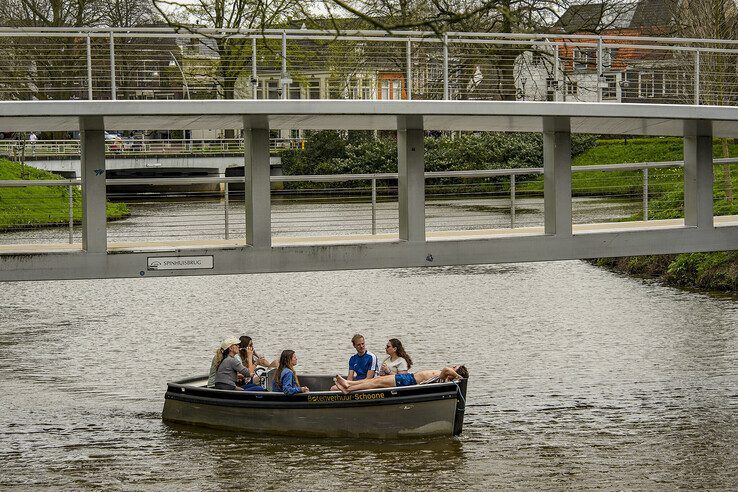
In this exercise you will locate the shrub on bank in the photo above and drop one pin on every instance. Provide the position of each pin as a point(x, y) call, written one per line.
point(334, 152)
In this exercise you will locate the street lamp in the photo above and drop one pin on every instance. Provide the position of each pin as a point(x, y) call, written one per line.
point(184, 79)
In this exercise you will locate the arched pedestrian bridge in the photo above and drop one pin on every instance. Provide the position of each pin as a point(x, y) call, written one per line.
point(258, 251)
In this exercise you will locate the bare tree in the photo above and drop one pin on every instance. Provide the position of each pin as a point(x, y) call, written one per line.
point(714, 19)
point(52, 13)
point(128, 13)
point(232, 51)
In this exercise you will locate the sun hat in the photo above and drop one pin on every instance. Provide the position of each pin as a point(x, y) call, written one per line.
point(228, 342)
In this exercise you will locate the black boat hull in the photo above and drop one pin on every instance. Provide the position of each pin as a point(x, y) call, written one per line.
point(413, 411)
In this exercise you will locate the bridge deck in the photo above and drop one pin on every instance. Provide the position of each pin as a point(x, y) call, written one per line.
point(163, 246)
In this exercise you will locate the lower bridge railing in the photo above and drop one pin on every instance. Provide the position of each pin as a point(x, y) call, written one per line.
point(133, 146)
point(212, 208)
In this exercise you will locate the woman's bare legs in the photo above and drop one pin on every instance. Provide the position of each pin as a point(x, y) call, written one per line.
point(346, 386)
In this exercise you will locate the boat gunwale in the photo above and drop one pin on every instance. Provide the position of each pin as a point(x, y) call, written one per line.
point(182, 391)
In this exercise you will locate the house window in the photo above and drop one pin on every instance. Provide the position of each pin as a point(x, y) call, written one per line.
point(312, 89)
point(390, 86)
point(295, 91)
point(385, 89)
point(610, 91)
point(583, 57)
point(536, 58)
point(396, 89)
point(572, 88)
point(646, 84)
point(367, 92)
point(273, 91)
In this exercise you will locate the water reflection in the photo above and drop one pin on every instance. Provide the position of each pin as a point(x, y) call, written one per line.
point(317, 463)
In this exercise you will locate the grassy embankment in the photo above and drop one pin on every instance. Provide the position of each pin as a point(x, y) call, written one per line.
point(709, 271)
point(38, 206)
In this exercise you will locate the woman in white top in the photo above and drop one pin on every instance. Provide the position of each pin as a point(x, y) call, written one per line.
point(398, 361)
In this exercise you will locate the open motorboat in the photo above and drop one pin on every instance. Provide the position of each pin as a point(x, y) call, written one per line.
point(423, 410)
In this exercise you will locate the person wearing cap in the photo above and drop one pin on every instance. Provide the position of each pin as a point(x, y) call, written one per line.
point(227, 371)
point(217, 359)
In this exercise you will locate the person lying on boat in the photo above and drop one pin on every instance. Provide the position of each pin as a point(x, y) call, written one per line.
point(363, 364)
point(287, 381)
point(398, 361)
point(226, 374)
point(256, 358)
point(422, 377)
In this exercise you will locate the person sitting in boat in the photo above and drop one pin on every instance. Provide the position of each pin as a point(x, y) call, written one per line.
point(256, 358)
point(363, 364)
point(397, 362)
point(226, 374)
point(217, 359)
point(287, 381)
point(392, 380)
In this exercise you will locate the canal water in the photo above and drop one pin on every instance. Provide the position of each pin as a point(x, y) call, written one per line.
point(580, 379)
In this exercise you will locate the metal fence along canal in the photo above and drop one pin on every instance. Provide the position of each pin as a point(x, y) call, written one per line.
point(186, 209)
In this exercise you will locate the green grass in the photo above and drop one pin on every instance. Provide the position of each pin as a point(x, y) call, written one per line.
point(34, 206)
point(708, 271)
point(630, 183)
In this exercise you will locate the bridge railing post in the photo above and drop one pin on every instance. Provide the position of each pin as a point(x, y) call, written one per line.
point(71, 213)
point(92, 161)
point(446, 91)
point(257, 186)
point(697, 77)
point(409, 76)
point(698, 174)
point(89, 67)
point(113, 89)
point(254, 76)
point(512, 201)
point(225, 209)
point(374, 206)
point(645, 193)
point(557, 176)
point(411, 178)
point(599, 69)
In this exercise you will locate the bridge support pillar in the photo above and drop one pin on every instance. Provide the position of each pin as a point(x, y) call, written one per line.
point(557, 175)
point(92, 161)
point(698, 174)
point(257, 186)
point(411, 177)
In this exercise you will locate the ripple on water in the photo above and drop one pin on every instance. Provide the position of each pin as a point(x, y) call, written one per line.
point(581, 378)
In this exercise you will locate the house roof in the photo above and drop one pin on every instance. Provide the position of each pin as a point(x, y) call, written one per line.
point(654, 13)
point(581, 18)
point(595, 17)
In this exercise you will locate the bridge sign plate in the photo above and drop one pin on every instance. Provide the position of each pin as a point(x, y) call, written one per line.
point(180, 262)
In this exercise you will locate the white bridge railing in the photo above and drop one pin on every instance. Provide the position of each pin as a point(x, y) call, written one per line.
point(132, 146)
point(305, 211)
point(159, 63)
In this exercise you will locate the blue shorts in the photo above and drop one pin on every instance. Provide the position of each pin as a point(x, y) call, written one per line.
point(404, 380)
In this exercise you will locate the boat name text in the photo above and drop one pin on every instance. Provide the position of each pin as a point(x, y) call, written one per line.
point(359, 396)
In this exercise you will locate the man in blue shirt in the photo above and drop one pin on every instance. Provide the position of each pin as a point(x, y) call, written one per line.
point(363, 364)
